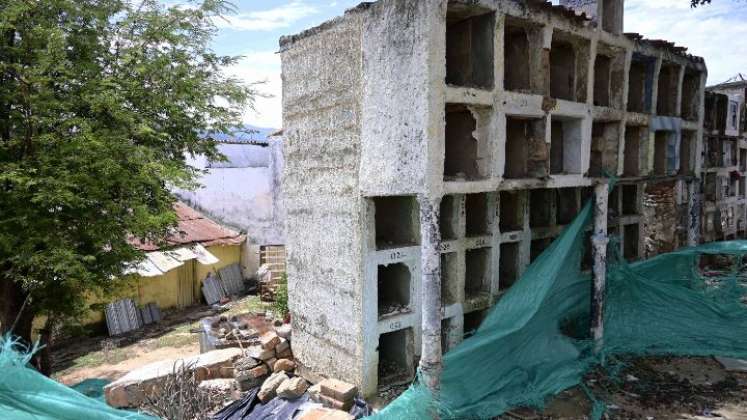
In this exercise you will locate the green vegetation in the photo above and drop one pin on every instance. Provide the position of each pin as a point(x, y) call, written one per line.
point(281, 297)
point(99, 101)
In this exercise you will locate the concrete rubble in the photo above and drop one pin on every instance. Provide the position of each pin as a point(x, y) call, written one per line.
point(128, 390)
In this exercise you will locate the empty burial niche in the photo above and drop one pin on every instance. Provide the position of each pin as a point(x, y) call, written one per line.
point(605, 141)
point(446, 327)
point(587, 259)
point(526, 149)
point(469, 46)
point(396, 356)
point(565, 145)
point(630, 242)
point(640, 83)
point(602, 75)
point(511, 212)
point(509, 265)
point(566, 205)
point(691, 95)
point(449, 279)
point(477, 214)
point(630, 200)
point(664, 153)
point(562, 70)
point(687, 152)
point(516, 58)
point(465, 149)
point(472, 322)
point(743, 160)
point(613, 203)
point(449, 218)
point(477, 263)
point(540, 208)
point(634, 139)
point(666, 104)
point(396, 221)
point(393, 289)
point(538, 246)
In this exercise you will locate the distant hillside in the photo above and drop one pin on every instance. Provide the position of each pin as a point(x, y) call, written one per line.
point(249, 133)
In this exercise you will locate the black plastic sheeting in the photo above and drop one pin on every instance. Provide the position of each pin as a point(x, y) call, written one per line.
point(251, 408)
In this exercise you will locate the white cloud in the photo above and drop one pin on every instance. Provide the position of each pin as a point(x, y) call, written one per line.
point(714, 31)
point(267, 20)
point(262, 66)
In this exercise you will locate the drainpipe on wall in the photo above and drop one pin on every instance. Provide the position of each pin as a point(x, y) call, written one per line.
point(599, 241)
point(430, 239)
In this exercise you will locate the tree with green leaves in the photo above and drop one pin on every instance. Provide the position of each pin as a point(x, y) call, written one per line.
point(99, 102)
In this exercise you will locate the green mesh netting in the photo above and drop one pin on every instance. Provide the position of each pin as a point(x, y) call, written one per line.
point(529, 347)
point(27, 394)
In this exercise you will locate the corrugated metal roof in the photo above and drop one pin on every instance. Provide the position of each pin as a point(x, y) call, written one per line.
point(193, 228)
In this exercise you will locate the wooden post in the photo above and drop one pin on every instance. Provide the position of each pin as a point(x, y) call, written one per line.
point(430, 239)
point(599, 241)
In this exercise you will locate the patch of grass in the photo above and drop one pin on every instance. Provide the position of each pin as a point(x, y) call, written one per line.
point(176, 340)
point(248, 304)
point(98, 358)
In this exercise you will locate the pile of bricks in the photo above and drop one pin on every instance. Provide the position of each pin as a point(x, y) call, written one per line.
point(272, 354)
point(335, 394)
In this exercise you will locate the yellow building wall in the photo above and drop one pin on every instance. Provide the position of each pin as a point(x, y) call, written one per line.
point(164, 289)
point(228, 254)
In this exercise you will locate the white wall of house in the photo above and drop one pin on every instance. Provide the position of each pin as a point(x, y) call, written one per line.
point(243, 192)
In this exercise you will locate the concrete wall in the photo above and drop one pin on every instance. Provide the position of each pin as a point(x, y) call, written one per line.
point(378, 103)
point(322, 79)
point(245, 193)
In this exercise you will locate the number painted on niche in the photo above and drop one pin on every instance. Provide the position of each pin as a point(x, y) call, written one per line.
point(395, 325)
point(395, 255)
point(444, 246)
point(481, 242)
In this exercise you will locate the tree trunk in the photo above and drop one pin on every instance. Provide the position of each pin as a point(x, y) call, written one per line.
point(12, 298)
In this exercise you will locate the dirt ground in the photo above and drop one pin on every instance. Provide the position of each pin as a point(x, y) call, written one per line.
point(103, 357)
point(653, 389)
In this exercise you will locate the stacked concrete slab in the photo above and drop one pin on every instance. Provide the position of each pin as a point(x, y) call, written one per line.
point(505, 114)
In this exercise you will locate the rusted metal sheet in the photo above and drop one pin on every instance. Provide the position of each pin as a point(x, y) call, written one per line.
point(192, 228)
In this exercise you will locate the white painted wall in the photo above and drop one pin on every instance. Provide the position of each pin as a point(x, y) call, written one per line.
point(244, 193)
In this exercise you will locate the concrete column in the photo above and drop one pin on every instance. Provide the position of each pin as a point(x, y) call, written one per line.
point(693, 210)
point(430, 237)
point(599, 240)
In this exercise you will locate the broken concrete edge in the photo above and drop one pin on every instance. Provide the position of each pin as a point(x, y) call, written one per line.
point(287, 41)
point(128, 390)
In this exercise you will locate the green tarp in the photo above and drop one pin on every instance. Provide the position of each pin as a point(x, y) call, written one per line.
point(25, 394)
point(534, 342)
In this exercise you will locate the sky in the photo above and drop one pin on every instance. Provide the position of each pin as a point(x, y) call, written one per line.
point(717, 32)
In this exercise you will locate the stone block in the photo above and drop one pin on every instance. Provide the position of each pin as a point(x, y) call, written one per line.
point(269, 340)
point(325, 414)
point(269, 388)
point(282, 346)
point(292, 388)
point(284, 331)
point(339, 390)
point(128, 390)
point(223, 385)
point(246, 363)
point(271, 364)
point(257, 352)
point(335, 403)
point(287, 354)
point(284, 365)
point(315, 392)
